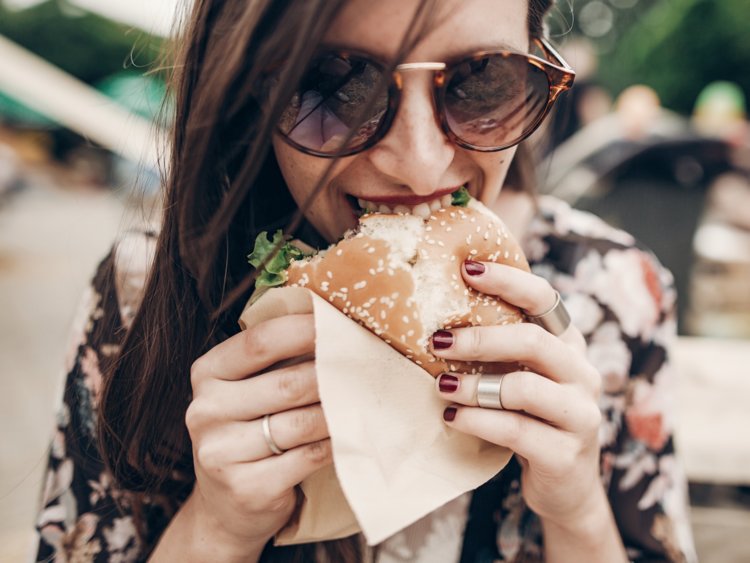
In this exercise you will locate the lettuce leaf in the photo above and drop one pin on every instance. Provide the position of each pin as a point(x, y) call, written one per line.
point(274, 272)
point(461, 197)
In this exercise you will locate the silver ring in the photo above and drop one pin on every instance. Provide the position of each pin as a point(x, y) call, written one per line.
point(266, 425)
point(489, 390)
point(556, 320)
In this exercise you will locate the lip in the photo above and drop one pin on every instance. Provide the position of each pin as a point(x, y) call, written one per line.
point(409, 200)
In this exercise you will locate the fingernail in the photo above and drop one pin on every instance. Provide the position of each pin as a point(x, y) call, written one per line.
point(448, 383)
point(442, 339)
point(449, 414)
point(474, 268)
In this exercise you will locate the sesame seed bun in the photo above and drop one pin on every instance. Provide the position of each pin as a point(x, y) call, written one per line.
point(400, 277)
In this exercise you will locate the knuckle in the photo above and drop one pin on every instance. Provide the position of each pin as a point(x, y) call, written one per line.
point(514, 431)
point(206, 457)
point(522, 389)
point(475, 343)
point(305, 423)
point(199, 371)
point(317, 452)
point(534, 340)
point(195, 416)
point(257, 341)
point(291, 386)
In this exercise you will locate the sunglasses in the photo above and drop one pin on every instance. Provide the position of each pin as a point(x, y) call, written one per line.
point(487, 101)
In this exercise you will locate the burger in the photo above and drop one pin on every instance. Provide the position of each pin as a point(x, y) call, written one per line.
point(399, 276)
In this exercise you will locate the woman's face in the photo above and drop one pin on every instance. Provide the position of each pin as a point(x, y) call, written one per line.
point(415, 162)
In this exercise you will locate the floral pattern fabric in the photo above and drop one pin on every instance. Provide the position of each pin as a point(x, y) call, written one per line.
point(619, 297)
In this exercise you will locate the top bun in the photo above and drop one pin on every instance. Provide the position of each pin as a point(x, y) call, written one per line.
point(400, 277)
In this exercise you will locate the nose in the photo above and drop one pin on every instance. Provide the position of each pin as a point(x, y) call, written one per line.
point(415, 152)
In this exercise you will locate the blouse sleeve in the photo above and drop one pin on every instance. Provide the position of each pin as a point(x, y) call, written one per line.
point(83, 516)
point(630, 326)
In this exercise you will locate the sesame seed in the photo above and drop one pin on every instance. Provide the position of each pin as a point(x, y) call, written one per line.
point(371, 250)
point(405, 319)
point(329, 275)
point(410, 333)
point(339, 252)
point(360, 285)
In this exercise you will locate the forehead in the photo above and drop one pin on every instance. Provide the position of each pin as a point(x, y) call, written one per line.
point(455, 27)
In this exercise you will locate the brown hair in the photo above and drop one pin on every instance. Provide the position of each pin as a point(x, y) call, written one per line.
point(223, 187)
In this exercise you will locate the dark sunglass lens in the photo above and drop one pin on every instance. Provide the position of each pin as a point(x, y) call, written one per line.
point(495, 100)
point(329, 104)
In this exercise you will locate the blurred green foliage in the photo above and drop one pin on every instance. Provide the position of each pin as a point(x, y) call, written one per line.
point(679, 46)
point(675, 46)
point(86, 45)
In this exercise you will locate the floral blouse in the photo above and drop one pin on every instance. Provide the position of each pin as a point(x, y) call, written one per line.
point(619, 297)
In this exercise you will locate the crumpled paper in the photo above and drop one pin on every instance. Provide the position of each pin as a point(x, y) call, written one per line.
point(394, 459)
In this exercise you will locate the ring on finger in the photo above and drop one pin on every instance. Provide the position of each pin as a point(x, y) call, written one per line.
point(272, 445)
point(555, 321)
point(489, 391)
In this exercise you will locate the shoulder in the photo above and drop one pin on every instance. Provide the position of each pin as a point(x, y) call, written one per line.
point(604, 272)
point(132, 258)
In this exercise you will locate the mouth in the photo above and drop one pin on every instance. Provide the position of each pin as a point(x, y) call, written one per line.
point(424, 209)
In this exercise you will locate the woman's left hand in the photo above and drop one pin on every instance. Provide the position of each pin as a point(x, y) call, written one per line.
point(550, 416)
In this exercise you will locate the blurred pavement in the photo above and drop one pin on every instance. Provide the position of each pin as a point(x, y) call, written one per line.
point(50, 243)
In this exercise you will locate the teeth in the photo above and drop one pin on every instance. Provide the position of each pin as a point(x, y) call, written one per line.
point(423, 210)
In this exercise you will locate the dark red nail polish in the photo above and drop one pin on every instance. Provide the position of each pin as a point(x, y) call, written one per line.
point(442, 339)
point(449, 414)
point(448, 383)
point(474, 268)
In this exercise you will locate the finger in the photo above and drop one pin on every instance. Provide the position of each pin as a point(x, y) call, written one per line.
point(529, 292)
point(244, 441)
point(271, 478)
point(537, 441)
point(564, 406)
point(275, 391)
point(525, 343)
point(257, 348)
point(525, 290)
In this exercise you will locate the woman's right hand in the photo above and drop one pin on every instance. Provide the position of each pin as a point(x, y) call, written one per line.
point(242, 489)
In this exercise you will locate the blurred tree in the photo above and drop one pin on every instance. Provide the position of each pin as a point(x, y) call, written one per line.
point(679, 46)
point(675, 46)
point(86, 45)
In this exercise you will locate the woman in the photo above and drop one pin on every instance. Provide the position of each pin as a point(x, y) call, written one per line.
point(191, 471)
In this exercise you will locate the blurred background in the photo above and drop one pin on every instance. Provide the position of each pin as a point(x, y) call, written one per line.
point(654, 137)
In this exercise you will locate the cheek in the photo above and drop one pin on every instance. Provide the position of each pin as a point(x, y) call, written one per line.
point(494, 168)
point(300, 171)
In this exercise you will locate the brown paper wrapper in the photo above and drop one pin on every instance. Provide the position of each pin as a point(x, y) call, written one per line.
point(395, 461)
